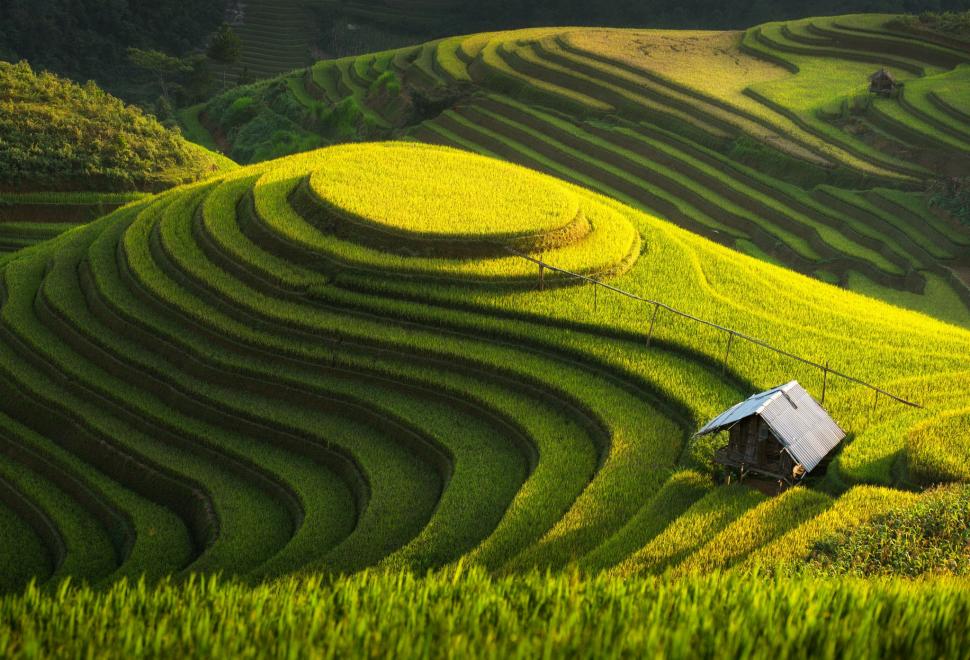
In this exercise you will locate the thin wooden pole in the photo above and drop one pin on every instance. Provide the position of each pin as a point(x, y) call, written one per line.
point(872, 413)
point(727, 352)
point(653, 319)
point(542, 277)
point(596, 289)
point(825, 379)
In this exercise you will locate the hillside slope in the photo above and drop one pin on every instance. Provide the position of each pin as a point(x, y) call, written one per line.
point(71, 153)
point(332, 361)
point(766, 141)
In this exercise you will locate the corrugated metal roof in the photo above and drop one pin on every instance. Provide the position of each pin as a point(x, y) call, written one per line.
point(796, 419)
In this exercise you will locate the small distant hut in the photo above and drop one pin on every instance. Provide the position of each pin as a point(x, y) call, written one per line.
point(883, 82)
point(782, 434)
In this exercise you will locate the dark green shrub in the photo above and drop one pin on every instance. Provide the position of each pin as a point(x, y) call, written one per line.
point(953, 196)
point(773, 162)
point(948, 22)
point(387, 83)
point(269, 135)
point(280, 99)
point(238, 112)
point(343, 120)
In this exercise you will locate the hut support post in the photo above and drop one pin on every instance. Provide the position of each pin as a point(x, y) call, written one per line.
point(653, 320)
point(825, 379)
point(727, 353)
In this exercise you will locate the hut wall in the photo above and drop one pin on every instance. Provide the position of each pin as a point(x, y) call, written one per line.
point(772, 450)
point(751, 444)
point(735, 439)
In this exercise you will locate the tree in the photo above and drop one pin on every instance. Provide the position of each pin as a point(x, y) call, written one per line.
point(225, 48)
point(197, 84)
point(161, 65)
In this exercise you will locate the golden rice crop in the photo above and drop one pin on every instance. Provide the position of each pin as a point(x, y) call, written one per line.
point(756, 527)
point(789, 551)
point(435, 191)
point(469, 614)
point(694, 527)
point(937, 449)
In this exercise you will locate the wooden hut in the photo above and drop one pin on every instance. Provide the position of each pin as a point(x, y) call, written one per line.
point(782, 434)
point(883, 82)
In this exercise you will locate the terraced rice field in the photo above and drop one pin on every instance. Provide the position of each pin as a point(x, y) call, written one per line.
point(333, 362)
point(276, 35)
point(337, 400)
point(416, 15)
point(30, 218)
point(765, 141)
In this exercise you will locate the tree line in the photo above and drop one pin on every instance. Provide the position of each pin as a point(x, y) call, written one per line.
point(90, 39)
point(700, 14)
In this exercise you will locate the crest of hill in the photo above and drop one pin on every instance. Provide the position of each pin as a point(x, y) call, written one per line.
point(58, 135)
